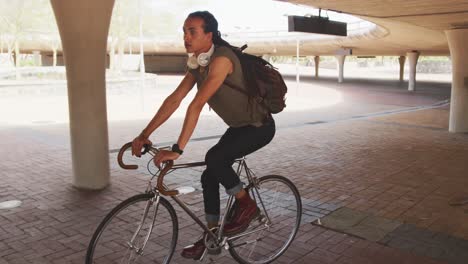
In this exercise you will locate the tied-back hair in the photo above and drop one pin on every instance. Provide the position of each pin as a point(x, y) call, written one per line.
point(211, 25)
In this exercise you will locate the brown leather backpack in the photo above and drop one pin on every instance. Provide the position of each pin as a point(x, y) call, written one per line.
point(264, 83)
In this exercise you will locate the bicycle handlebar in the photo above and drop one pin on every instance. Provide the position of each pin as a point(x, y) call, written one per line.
point(160, 186)
point(167, 166)
point(120, 156)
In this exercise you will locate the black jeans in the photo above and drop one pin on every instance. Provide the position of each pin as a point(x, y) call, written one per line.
point(234, 144)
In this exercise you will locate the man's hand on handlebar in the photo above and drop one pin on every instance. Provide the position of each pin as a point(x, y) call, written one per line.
point(165, 155)
point(138, 143)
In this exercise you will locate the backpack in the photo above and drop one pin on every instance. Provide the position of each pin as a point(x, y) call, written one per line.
point(264, 83)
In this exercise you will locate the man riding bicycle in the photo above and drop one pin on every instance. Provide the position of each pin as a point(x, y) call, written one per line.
point(251, 127)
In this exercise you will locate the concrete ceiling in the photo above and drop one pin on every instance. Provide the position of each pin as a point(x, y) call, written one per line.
point(433, 14)
point(400, 26)
point(408, 25)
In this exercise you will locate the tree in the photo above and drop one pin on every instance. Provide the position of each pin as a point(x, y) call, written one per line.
point(124, 23)
point(18, 18)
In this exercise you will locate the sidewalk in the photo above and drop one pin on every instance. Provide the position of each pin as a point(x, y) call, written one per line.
point(378, 169)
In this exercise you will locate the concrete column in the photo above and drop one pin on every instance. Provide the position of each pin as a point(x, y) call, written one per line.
point(298, 43)
point(317, 62)
point(37, 58)
point(340, 59)
point(413, 61)
point(17, 60)
point(140, 27)
point(83, 27)
point(1, 44)
point(457, 39)
point(54, 58)
point(402, 60)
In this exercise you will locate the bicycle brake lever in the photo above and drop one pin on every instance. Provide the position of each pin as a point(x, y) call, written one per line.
point(146, 148)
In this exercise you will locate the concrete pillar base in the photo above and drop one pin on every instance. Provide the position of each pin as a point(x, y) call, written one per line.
point(85, 60)
point(402, 60)
point(413, 61)
point(340, 59)
point(457, 39)
point(317, 63)
point(37, 58)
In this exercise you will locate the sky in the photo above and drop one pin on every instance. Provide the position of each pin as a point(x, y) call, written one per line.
point(249, 15)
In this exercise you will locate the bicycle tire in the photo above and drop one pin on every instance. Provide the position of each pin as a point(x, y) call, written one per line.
point(110, 240)
point(285, 214)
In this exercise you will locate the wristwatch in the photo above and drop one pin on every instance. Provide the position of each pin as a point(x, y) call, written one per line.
point(176, 149)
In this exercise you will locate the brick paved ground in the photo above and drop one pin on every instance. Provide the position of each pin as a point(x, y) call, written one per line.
point(403, 167)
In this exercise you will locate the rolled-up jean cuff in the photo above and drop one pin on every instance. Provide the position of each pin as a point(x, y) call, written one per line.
point(234, 190)
point(212, 218)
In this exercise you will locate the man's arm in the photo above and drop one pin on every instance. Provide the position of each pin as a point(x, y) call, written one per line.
point(220, 67)
point(170, 104)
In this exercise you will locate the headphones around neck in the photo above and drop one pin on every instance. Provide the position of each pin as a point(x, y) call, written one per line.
point(202, 60)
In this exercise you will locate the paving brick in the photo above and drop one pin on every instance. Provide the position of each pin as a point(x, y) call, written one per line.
point(394, 166)
point(323, 256)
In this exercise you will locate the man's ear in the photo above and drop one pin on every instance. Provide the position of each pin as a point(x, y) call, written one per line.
point(210, 35)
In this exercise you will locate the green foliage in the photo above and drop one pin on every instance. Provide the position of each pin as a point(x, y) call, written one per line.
point(18, 17)
point(27, 62)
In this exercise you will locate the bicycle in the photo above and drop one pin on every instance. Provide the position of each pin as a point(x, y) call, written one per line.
point(144, 227)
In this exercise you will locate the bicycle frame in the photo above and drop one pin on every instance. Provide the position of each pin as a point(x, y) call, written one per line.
point(161, 189)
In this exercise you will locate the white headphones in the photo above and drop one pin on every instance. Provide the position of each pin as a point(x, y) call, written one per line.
point(202, 60)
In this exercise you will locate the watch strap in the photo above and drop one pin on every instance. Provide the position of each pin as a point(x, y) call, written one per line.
point(176, 149)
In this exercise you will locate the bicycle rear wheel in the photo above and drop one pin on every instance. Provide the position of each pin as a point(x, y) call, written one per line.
point(272, 233)
point(117, 240)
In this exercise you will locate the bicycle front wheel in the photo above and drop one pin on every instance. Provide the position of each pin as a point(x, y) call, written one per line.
point(141, 229)
point(270, 235)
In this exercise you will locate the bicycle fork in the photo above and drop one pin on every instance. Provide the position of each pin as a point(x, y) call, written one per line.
point(131, 244)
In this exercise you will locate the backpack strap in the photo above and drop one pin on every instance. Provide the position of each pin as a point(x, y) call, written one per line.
point(235, 87)
point(257, 99)
point(239, 53)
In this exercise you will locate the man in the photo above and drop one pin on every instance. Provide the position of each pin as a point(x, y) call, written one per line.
point(250, 125)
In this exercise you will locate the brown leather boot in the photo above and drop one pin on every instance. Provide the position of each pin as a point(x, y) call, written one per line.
point(194, 251)
point(246, 211)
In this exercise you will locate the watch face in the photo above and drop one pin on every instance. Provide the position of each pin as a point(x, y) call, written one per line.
point(175, 148)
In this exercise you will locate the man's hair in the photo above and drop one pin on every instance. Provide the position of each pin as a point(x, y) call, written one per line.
point(210, 24)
